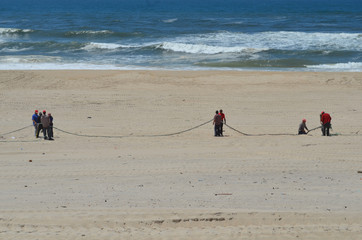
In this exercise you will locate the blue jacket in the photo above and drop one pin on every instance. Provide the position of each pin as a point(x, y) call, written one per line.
point(35, 118)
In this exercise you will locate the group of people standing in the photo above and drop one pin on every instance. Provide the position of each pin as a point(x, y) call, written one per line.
point(219, 120)
point(43, 122)
point(325, 120)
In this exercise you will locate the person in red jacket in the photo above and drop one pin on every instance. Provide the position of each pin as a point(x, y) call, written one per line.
point(217, 123)
point(326, 123)
point(223, 120)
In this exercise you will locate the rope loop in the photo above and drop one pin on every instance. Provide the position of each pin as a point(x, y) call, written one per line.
point(124, 136)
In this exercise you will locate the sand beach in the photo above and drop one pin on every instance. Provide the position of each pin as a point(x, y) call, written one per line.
point(117, 169)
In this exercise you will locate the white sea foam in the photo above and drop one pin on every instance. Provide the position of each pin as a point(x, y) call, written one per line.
point(350, 67)
point(170, 20)
point(206, 49)
point(20, 59)
point(106, 46)
point(237, 22)
point(14, 30)
point(39, 62)
point(13, 50)
point(58, 66)
point(89, 32)
point(278, 40)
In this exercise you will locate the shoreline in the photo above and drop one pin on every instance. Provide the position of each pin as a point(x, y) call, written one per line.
point(188, 70)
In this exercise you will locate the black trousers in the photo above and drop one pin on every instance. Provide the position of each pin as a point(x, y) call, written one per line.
point(40, 127)
point(325, 129)
point(217, 130)
point(50, 132)
point(46, 132)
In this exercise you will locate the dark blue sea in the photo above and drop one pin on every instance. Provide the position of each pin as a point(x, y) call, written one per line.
point(270, 35)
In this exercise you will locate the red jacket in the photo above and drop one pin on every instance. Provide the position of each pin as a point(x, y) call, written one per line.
point(326, 118)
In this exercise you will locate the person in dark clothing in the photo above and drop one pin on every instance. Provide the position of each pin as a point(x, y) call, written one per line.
point(45, 122)
point(50, 129)
point(40, 126)
point(217, 123)
point(320, 119)
point(326, 123)
point(223, 120)
point(303, 127)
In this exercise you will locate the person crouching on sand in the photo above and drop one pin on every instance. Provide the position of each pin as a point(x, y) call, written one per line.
point(303, 127)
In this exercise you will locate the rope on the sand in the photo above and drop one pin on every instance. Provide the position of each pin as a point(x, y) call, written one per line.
point(85, 135)
point(17, 130)
point(176, 133)
point(262, 134)
point(314, 128)
point(124, 136)
point(246, 134)
point(171, 134)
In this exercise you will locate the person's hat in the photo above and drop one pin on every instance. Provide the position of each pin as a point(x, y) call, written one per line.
point(304, 120)
point(322, 112)
point(36, 111)
point(44, 111)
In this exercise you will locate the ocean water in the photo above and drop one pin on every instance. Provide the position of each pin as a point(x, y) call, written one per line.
point(271, 35)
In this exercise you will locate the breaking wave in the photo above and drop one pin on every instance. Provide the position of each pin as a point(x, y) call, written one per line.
point(281, 40)
point(14, 50)
point(29, 59)
point(101, 33)
point(258, 63)
point(15, 31)
point(350, 66)
point(103, 46)
point(223, 50)
point(205, 49)
point(170, 20)
point(78, 33)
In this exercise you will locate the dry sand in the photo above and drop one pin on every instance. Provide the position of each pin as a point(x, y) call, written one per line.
point(186, 186)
